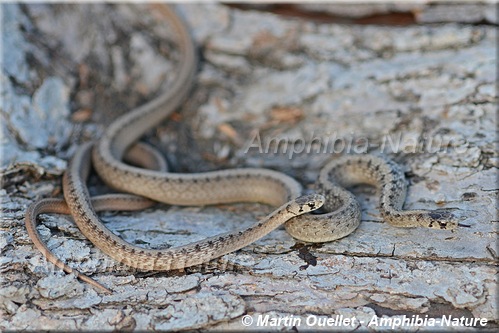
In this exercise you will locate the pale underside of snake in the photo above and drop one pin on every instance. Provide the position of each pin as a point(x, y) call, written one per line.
point(227, 186)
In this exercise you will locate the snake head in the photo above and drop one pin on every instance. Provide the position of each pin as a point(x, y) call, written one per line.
point(305, 204)
point(444, 219)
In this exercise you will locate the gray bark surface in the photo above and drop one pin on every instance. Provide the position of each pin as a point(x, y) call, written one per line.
point(422, 94)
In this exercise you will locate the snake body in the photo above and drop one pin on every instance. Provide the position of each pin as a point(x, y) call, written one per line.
point(185, 256)
point(344, 216)
point(226, 186)
point(120, 202)
point(172, 258)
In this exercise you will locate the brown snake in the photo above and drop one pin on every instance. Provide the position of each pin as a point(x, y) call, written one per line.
point(227, 186)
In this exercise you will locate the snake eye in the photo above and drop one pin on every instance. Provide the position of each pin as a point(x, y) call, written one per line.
point(442, 219)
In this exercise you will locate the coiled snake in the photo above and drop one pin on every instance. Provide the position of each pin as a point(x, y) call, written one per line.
point(235, 185)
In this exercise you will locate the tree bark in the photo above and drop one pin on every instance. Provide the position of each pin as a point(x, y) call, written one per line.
point(423, 94)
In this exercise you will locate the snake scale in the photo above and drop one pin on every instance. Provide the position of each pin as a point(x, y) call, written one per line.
point(151, 180)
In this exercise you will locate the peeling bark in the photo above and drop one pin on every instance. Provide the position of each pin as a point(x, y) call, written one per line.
point(422, 94)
